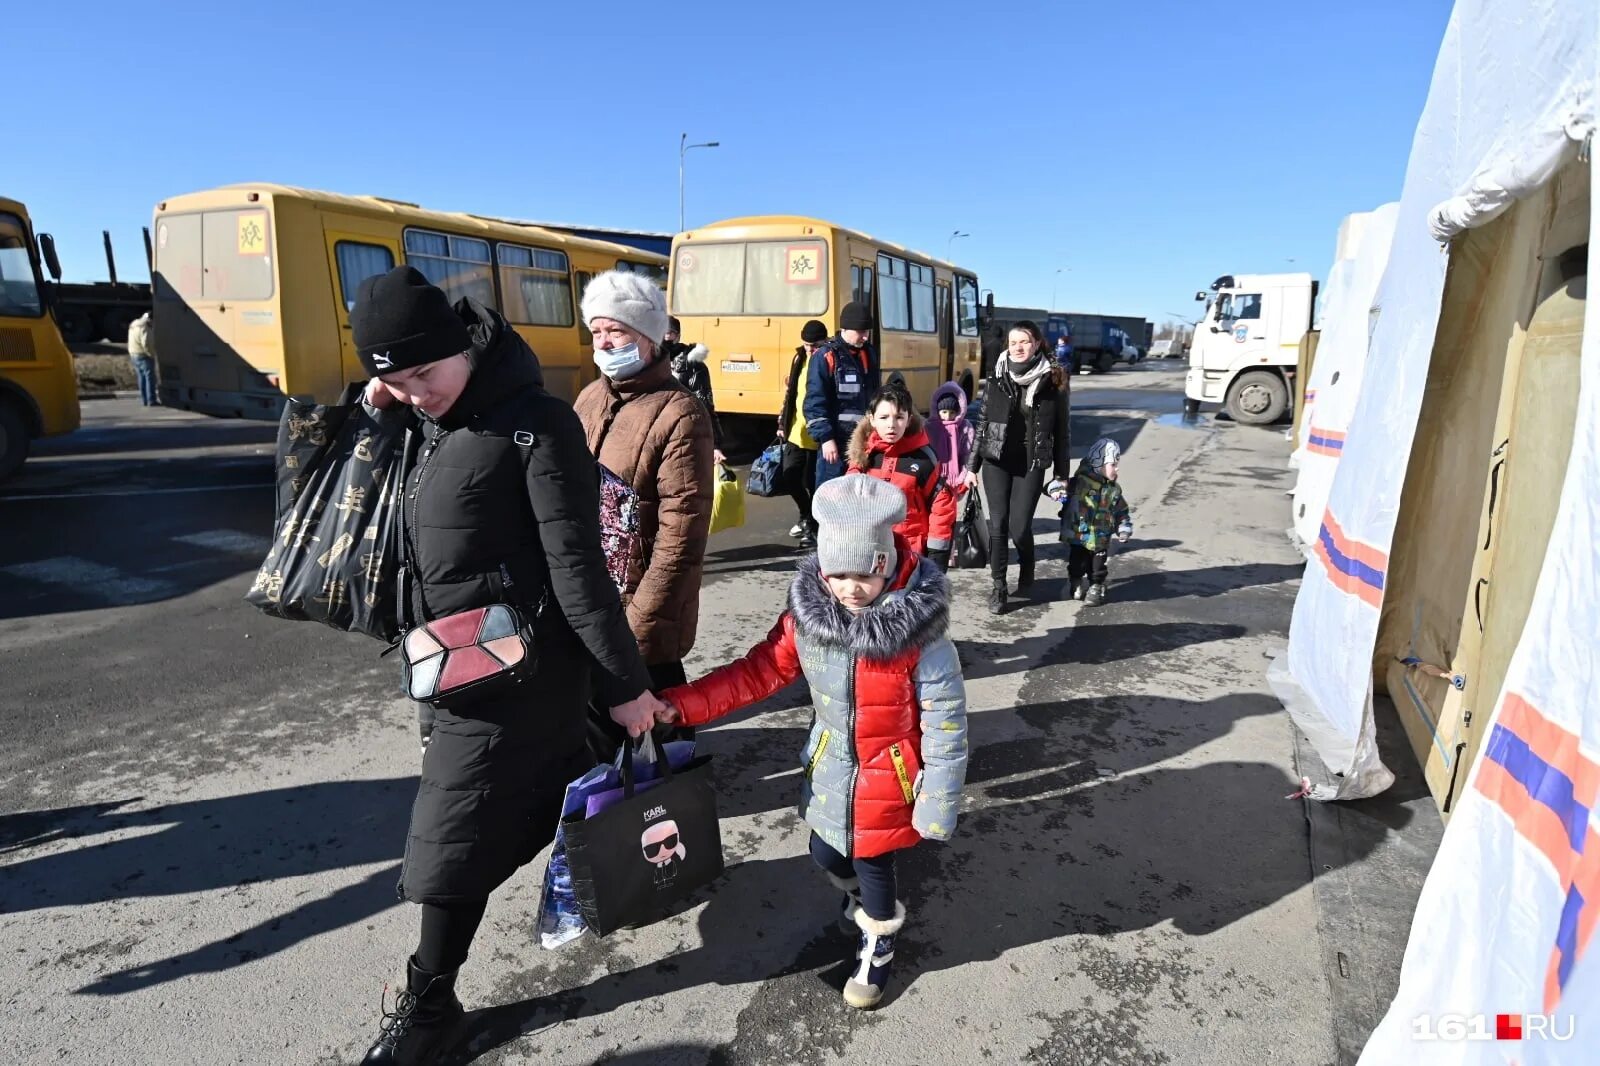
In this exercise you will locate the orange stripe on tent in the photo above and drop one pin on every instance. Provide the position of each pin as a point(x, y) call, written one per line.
point(1353, 548)
point(1348, 583)
point(1537, 823)
point(1555, 744)
point(1552, 983)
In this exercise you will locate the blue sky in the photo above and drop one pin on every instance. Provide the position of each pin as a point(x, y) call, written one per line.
point(1139, 150)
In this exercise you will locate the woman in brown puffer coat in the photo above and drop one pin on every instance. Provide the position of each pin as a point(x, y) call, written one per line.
point(653, 433)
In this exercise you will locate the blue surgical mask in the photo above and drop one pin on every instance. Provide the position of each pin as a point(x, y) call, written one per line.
point(619, 364)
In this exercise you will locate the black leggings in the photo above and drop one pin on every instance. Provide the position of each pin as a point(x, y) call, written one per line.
point(1011, 500)
point(876, 874)
point(447, 934)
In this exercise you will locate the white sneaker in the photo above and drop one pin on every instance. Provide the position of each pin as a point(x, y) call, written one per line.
point(797, 531)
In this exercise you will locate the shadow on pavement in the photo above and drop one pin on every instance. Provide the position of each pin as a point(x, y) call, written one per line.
point(1056, 851)
point(1206, 581)
point(209, 845)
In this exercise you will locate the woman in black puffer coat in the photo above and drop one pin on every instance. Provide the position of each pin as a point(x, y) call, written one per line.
point(1025, 434)
point(502, 506)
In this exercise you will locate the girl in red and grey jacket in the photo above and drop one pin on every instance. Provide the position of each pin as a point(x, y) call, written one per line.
point(887, 753)
point(892, 444)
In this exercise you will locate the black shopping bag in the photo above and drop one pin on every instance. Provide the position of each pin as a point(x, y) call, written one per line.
point(335, 555)
point(972, 534)
point(649, 848)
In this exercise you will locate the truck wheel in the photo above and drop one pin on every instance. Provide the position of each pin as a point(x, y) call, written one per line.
point(114, 324)
point(1104, 364)
point(1258, 398)
point(77, 325)
point(14, 439)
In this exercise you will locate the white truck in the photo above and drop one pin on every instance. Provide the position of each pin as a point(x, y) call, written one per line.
point(1246, 348)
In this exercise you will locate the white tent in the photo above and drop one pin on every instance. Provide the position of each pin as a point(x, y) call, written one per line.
point(1506, 921)
point(1335, 380)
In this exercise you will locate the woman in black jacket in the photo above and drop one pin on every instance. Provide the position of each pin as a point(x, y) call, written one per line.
point(502, 506)
point(1025, 433)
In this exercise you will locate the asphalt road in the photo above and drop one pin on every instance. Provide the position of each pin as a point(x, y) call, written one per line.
point(205, 808)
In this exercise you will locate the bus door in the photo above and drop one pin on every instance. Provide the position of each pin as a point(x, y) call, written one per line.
point(357, 249)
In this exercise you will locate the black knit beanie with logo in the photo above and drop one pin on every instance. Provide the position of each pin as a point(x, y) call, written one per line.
point(400, 321)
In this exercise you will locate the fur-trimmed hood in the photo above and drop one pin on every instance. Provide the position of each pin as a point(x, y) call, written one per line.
point(861, 441)
point(911, 614)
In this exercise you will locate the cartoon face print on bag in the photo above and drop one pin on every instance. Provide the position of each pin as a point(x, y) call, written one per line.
point(662, 847)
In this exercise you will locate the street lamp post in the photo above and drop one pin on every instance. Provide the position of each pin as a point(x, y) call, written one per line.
point(1056, 285)
point(955, 234)
point(683, 148)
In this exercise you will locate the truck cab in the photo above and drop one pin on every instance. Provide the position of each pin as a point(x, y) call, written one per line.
point(1247, 345)
point(38, 384)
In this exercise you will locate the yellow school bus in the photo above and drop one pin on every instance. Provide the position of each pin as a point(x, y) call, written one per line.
point(38, 385)
point(254, 286)
point(746, 286)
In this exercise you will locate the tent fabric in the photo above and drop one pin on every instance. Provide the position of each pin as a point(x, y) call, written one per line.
point(1507, 917)
point(1484, 108)
point(1506, 920)
point(1336, 376)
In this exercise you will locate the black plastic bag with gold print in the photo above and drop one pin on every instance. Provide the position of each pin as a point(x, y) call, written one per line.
point(335, 555)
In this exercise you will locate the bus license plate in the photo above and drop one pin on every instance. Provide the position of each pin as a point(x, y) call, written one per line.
point(730, 367)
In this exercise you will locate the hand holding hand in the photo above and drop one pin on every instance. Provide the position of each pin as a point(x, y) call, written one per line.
point(637, 716)
point(668, 714)
point(830, 451)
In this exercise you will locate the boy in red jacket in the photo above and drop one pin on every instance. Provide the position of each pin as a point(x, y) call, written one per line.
point(892, 444)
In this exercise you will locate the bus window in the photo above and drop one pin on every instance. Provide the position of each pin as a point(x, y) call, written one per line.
point(657, 274)
point(758, 278)
point(537, 288)
point(19, 289)
point(583, 277)
point(458, 265)
point(967, 306)
point(943, 314)
point(357, 263)
point(178, 260)
point(894, 299)
point(923, 319)
point(235, 255)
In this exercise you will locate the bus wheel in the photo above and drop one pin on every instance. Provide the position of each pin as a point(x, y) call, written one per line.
point(14, 439)
point(1258, 398)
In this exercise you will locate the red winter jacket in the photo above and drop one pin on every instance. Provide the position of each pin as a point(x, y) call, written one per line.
point(910, 465)
point(887, 751)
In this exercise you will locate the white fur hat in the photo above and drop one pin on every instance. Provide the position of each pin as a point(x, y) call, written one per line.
point(632, 299)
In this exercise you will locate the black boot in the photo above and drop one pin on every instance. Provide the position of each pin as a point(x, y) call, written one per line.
point(997, 596)
point(1024, 571)
point(422, 1024)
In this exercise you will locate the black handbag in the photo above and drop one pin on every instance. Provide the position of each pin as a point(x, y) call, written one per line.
point(647, 849)
point(972, 534)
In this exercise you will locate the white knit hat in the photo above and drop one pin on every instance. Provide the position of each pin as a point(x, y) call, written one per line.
point(632, 299)
point(856, 515)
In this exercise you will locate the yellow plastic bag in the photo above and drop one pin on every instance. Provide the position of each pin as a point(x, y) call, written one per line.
point(727, 505)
